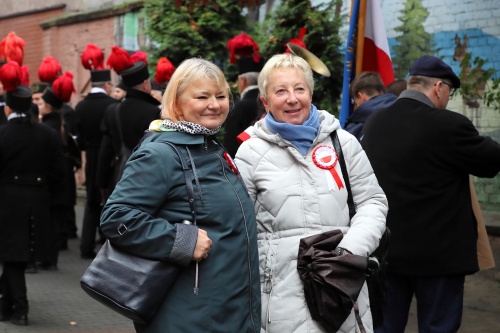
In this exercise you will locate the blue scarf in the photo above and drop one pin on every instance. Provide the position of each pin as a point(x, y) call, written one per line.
point(301, 136)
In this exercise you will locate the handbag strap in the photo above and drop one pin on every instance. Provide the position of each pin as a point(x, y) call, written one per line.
point(352, 208)
point(122, 228)
point(343, 168)
point(189, 182)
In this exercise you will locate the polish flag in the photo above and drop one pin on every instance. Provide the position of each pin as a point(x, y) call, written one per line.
point(245, 135)
point(373, 49)
point(367, 49)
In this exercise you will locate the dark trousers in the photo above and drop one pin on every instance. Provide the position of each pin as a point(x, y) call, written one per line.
point(91, 221)
point(71, 227)
point(439, 303)
point(57, 225)
point(14, 292)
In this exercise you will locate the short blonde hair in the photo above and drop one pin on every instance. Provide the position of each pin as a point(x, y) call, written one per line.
point(189, 71)
point(286, 60)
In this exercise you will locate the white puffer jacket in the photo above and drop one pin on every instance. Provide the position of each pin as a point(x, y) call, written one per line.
point(293, 199)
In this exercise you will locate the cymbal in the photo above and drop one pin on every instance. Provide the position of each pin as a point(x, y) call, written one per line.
point(316, 64)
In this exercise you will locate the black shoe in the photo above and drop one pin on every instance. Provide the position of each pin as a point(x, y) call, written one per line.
point(20, 320)
point(63, 246)
point(90, 255)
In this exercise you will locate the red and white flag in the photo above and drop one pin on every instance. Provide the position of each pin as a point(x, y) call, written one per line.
point(367, 49)
point(373, 51)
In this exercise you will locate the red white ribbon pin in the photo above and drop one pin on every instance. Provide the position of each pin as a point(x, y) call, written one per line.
point(231, 163)
point(326, 158)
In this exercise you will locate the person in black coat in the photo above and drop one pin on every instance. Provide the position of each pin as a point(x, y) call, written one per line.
point(89, 114)
point(50, 114)
point(244, 112)
point(423, 156)
point(31, 163)
point(125, 123)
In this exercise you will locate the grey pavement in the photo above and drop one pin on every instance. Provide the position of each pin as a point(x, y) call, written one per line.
point(59, 305)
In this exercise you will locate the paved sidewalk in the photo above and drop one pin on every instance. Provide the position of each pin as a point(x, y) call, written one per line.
point(59, 305)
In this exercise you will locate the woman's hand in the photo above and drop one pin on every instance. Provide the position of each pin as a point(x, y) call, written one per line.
point(203, 246)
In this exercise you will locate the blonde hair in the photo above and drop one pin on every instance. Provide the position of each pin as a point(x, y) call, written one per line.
point(286, 60)
point(189, 71)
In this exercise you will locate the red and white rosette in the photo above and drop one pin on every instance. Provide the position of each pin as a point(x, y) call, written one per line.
point(231, 163)
point(324, 157)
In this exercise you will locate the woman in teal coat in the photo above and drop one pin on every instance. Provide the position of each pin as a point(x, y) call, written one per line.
point(217, 289)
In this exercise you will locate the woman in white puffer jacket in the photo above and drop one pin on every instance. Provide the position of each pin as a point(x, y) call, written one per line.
point(284, 166)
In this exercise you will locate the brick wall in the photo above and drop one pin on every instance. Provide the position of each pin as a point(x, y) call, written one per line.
point(69, 41)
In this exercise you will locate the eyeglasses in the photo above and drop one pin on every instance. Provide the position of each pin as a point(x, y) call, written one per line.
point(452, 90)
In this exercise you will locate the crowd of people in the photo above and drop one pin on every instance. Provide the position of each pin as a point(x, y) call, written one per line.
point(159, 184)
point(38, 216)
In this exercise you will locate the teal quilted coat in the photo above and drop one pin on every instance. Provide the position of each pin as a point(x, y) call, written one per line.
point(151, 199)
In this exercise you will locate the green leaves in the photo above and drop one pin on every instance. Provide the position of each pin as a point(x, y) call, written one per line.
point(179, 33)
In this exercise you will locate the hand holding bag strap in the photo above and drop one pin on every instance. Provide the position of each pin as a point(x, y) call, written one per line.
point(133, 286)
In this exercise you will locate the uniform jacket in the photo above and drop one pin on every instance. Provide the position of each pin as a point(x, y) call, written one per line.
point(31, 162)
point(62, 195)
point(137, 110)
point(423, 157)
point(152, 198)
point(293, 199)
point(243, 115)
point(89, 114)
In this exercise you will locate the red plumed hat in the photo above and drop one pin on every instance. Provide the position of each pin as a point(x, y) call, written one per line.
point(92, 57)
point(298, 40)
point(49, 69)
point(243, 45)
point(164, 70)
point(10, 75)
point(12, 48)
point(17, 95)
point(139, 56)
point(63, 87)
point(119, 59)
point(25, 75)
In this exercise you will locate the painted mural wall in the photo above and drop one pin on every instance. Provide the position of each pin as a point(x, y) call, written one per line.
point(458, 25)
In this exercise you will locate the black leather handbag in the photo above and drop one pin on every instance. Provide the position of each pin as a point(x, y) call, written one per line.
point(133, 286)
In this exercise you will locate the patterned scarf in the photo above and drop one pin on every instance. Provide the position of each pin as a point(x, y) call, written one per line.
point(189, 127)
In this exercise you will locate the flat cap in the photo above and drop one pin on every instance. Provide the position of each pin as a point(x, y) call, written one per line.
point(434, 67)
